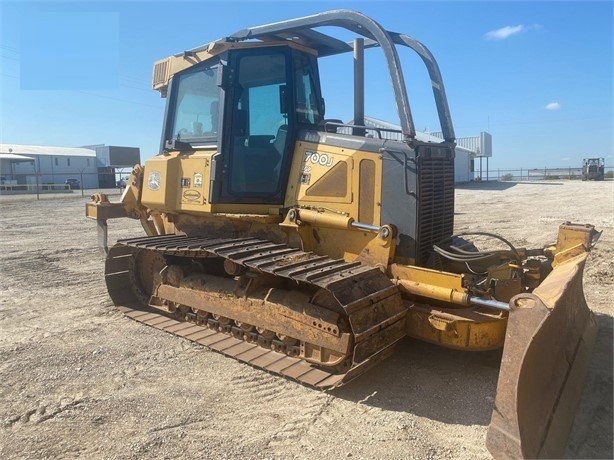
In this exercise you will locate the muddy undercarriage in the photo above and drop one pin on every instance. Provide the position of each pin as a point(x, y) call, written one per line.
point(315, 319)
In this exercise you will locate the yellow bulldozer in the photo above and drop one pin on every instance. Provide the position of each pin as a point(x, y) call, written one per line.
point(309, 247)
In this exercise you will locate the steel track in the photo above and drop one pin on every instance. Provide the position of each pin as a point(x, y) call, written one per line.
point(371, 303)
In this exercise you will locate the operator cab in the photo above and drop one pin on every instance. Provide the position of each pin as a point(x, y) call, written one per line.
point(246, 104)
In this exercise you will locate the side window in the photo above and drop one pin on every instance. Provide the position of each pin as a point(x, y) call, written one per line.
point(196, 110)
point(307, 108)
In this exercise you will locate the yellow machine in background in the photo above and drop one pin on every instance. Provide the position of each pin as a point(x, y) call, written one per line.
point(309, 247)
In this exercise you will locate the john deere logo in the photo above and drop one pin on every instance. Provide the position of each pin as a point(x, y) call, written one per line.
point(153, 180)
point(191, 195)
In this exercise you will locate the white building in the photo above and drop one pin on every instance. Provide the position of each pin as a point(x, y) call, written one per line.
point(467, 148)
point(92, 166)
point(52, 165)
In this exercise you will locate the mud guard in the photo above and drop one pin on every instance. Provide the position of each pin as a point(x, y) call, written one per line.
point(549, 340)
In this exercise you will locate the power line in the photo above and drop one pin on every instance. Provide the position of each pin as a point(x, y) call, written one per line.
point(134, 79)
point(129, 78)
point(113, 98)
point(10, 58)
point(103, 96)
point(149, 90)
point(10, 48)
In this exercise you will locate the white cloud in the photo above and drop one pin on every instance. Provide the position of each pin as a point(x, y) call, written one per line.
point(504, 32)
point(553, 106)
point(508, 31)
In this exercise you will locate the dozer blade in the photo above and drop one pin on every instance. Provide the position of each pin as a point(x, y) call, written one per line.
point(549, 339)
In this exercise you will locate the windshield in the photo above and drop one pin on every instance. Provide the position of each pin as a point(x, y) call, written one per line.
point(196, 106)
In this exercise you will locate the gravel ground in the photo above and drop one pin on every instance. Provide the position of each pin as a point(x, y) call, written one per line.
point(80, 379)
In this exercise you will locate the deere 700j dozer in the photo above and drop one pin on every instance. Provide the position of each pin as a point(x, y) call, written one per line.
point(309, 248)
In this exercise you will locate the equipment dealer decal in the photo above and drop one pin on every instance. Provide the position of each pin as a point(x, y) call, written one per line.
point(153, 180)
point(191, 195)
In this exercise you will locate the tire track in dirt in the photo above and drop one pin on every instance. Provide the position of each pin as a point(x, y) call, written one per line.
point(49, 268)
point(261, 386)
point(296, 428)
point(46, 411)
point(270, 392)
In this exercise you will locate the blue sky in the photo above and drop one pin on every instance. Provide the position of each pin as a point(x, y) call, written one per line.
point(537, 75)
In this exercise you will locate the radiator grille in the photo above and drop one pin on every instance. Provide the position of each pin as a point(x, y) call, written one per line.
point(160, 73)
point(436, 199)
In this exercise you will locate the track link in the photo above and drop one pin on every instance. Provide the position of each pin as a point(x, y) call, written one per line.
point(364, 295)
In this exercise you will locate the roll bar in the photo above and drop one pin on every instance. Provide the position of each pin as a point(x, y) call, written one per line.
point(301, 30)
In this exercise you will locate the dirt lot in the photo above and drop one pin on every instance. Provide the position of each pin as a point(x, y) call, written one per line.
point(80, 379)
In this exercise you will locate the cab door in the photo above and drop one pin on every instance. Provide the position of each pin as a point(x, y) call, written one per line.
point(256, 144)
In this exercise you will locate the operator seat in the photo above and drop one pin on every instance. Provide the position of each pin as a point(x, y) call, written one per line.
point(279, 143)
point(256, 166)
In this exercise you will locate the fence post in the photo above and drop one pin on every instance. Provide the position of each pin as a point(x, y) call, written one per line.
point(520, 173)
point(36, 173)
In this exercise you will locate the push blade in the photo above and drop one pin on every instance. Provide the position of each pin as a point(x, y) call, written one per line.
point(549, 341)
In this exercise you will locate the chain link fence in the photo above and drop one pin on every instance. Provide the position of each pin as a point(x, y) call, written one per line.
point(536, 174)
point(62, 182)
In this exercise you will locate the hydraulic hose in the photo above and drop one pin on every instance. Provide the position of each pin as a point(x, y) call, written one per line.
point(472, 256)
